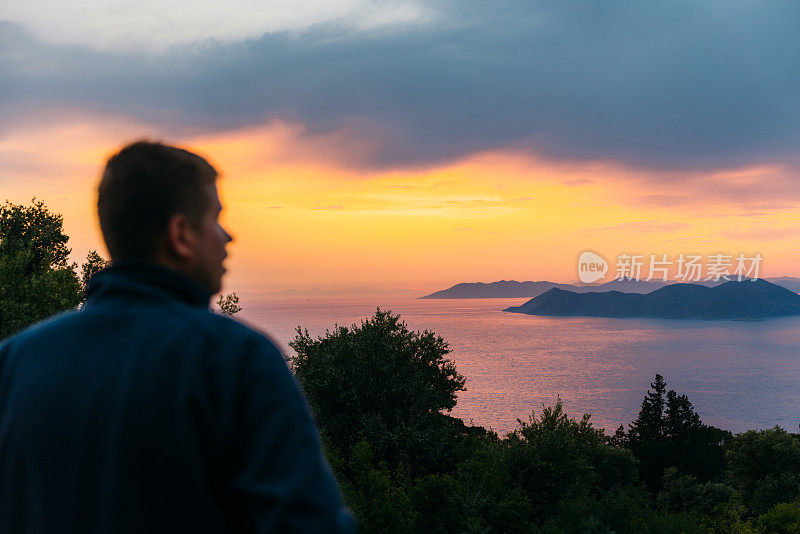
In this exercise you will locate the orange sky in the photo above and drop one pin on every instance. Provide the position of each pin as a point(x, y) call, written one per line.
point(304, 215)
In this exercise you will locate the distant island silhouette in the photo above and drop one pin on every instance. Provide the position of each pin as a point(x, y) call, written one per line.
point(514, 289)
point(730, 300)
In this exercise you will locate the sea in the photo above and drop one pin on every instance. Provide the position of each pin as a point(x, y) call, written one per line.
point(739, 375)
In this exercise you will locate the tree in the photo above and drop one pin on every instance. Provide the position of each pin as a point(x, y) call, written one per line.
point(669, 433)
point(783, 517)
point(765, 466)
point(649, 425)
point(229, 305)
point(558, 460)
point(94, 264)
point(35, 279)
point(381, 383)
point(36, 234)
point(646, 434)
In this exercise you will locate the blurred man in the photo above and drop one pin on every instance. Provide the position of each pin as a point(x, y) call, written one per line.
point(144, 411)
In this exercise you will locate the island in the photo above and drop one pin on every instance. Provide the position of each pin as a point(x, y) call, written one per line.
point(514, 289)
point(749, 299)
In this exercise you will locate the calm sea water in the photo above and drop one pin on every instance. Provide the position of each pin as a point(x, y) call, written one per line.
point(738, 375)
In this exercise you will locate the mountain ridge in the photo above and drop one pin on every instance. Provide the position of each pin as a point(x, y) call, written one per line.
point(515, 289)
point(750, 299)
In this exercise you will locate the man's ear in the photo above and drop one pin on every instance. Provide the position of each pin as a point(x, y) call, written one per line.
point(181, 237)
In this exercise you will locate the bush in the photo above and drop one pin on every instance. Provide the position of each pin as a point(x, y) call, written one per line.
point(765, 466)
point(384, 384)
point(781, 518)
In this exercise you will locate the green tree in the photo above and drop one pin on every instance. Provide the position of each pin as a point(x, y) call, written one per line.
point(669, 433)
point(378, 497)
point(782, 518)
point(765, 466)
point(35, 279)
point(685, 493)
point(560, 461)
point(380, 393)
point(94, 264)
point(382, 383)
point(729, 518)
point(646, 436)
point(649, 425)
point(229, 305)
point(693, 447)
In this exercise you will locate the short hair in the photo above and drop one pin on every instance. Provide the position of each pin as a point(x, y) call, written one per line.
point(142, 187)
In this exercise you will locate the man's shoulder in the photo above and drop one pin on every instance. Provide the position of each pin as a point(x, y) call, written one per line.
point(52, 327)
point(231, 329)
point(204, 325)
point(232, 338)
point(230, 347)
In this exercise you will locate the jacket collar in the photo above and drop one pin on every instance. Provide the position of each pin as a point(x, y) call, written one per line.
point(140, 280)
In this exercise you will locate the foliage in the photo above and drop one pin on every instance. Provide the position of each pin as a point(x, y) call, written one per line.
point(686, 494)
point(554, 457)
point(669, 433)
point(380, 393)
point(229, 305)
point(765, 466)
point(380, 500)
point(35, 279)
point(781, 518)
point(382, 383)
point(94, 264)
point(729, 517)
point(35, 233)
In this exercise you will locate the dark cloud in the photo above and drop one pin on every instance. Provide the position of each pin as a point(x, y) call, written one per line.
point(688, 84)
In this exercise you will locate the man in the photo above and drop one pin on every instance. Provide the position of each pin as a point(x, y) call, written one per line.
point(144, 411)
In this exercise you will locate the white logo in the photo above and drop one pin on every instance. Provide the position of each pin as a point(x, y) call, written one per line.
point(591, 267)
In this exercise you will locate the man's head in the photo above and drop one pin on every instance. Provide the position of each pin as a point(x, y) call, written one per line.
point(159, 203)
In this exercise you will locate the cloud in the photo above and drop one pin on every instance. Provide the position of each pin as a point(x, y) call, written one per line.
point(764, 233)
point(472, 203)
point(770, 207)
point(644, 227)
point(699, 238)
point(747, 190)
point(657, 84)
point(155, 26)
point(579, 181)
point(663, 200)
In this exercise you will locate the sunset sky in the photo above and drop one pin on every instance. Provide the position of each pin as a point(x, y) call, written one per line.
point(417, 145)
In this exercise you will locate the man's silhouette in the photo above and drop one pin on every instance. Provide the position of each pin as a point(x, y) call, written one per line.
point(144, 411)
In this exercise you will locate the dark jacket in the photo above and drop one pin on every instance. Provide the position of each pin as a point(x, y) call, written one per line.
point(145, 412)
